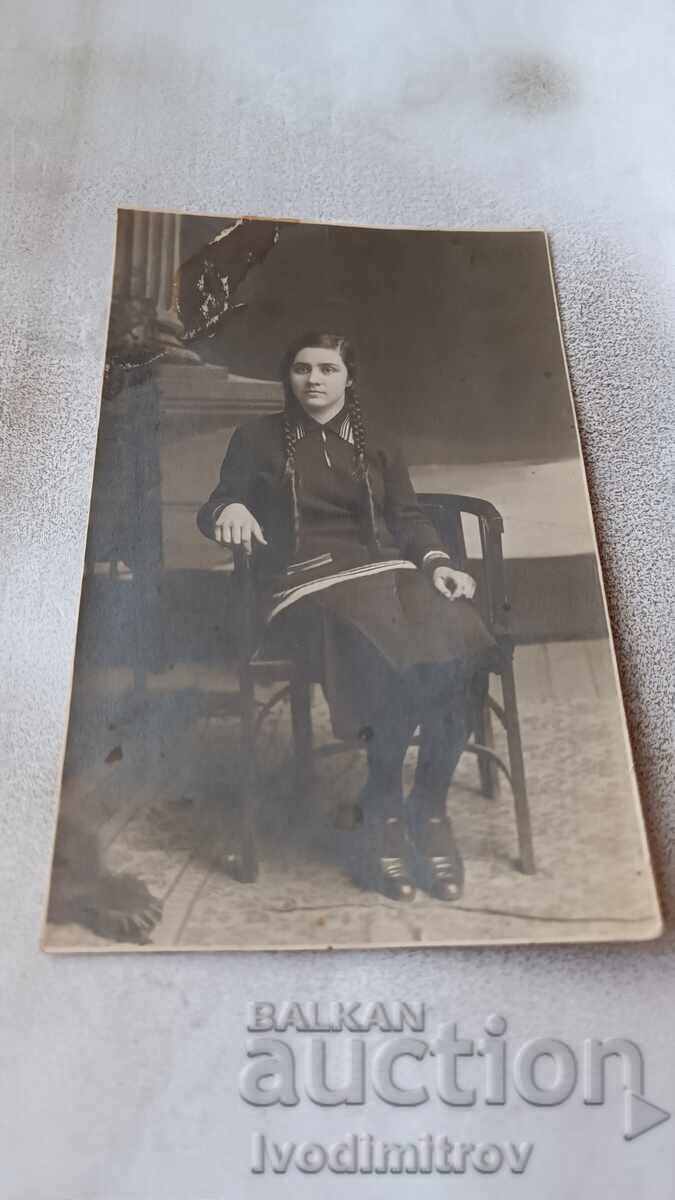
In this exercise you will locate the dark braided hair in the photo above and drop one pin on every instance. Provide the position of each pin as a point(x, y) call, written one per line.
point(326, 341)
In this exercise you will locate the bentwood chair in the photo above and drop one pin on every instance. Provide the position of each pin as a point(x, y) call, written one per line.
point(446, 512)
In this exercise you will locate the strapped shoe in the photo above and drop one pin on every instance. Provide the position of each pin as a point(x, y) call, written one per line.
point(438, 866)
point(383, 860)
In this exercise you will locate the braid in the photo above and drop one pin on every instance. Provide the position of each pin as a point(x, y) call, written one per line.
point(361, 464)
point(290, 475)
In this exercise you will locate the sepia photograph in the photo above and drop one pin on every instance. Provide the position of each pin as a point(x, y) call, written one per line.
point(344, 674)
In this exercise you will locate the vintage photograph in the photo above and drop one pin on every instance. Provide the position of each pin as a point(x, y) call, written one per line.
point(344, 675)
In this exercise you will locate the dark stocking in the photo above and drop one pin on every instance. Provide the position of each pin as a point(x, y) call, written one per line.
point(384, 845)
point(387, 740)
point(444, 728)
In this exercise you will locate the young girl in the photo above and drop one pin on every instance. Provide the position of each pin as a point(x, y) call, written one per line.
point(348, 564)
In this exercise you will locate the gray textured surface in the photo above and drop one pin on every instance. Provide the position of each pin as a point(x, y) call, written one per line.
point(120, 1072)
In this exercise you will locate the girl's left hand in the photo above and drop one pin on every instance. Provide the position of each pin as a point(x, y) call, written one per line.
point(454, 584)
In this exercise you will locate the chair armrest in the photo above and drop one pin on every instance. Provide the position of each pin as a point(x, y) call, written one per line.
point(494, 603)
point(242, 561)
point(464, 504)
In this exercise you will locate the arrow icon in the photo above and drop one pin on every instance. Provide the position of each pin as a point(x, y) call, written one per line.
point(640, 1115)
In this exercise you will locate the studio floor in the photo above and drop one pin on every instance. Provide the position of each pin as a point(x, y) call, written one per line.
point(158, 780)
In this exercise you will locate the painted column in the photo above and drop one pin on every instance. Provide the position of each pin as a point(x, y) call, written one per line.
point(146, 264)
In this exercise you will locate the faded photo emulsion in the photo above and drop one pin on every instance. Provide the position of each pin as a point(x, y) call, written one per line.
point(344, 675)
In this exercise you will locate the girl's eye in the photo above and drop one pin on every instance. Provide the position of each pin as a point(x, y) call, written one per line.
point(303, 368)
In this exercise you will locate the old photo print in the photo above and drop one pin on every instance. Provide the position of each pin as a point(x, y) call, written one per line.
point(344, 675)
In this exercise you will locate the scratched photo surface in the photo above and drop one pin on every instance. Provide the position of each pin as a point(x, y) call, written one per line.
point(344, 676)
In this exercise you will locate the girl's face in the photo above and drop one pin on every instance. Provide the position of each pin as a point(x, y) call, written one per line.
point(318, 380)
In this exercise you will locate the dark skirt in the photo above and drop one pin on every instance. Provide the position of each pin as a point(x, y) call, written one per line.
point(362, 639)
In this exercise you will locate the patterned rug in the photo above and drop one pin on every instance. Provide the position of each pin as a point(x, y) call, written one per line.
point(593, 879)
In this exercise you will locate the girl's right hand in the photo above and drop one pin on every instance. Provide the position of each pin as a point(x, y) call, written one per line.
point(236, 526)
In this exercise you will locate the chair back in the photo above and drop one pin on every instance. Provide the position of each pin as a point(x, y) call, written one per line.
point(446, 513)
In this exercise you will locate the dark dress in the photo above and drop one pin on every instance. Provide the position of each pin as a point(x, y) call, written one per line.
point(385, 644)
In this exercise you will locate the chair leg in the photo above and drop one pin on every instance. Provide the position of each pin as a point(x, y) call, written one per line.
point(484, 736)
point(303, 744)
point(244, 861)
point(517, 768)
